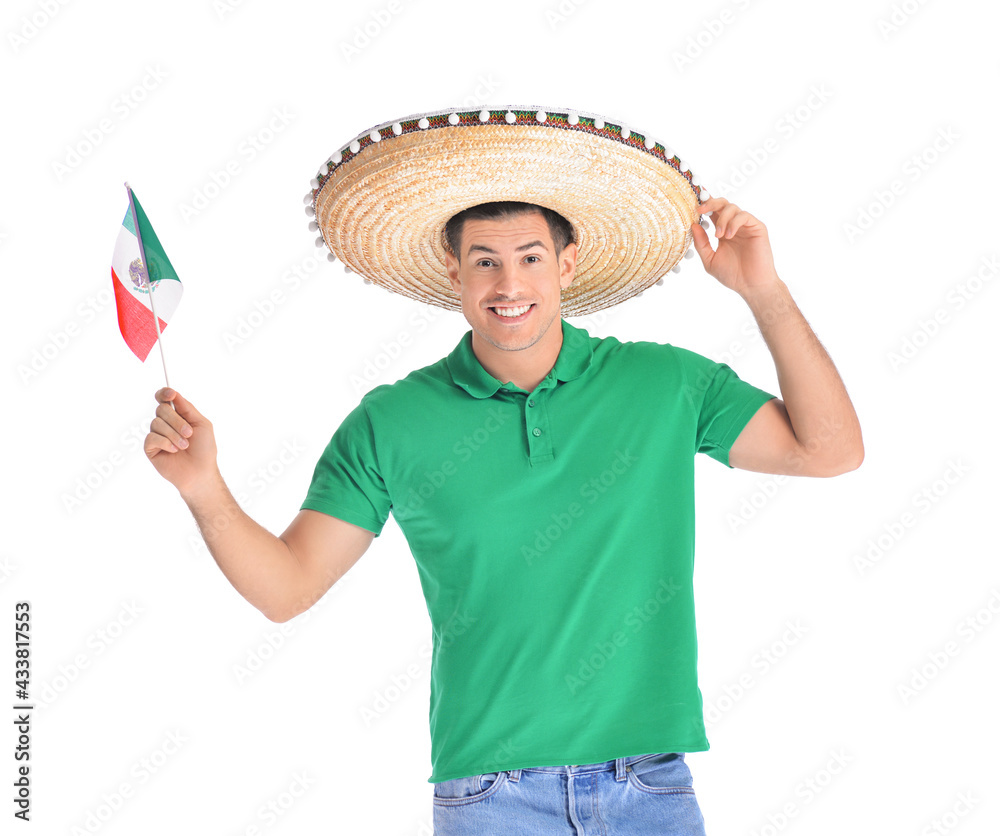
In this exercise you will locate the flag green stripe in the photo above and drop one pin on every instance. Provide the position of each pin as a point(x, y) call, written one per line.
point(127, 221)
point(159, 265)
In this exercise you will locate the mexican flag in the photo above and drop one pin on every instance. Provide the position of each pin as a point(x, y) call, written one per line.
point(132, 289)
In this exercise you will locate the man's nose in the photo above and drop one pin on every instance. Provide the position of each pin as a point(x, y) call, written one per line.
point(508, 282)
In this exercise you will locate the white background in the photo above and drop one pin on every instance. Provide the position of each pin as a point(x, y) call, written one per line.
point(137, 637)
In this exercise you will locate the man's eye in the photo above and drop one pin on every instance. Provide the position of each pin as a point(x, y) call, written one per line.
point(533, 256)
point(483, 261)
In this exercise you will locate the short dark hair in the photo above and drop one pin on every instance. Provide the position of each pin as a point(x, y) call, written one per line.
point(560, 229)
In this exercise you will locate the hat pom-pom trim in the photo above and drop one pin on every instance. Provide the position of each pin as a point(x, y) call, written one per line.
point(569, 120)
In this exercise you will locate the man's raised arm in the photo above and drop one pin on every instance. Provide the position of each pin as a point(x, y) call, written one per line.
point(814, 431)
point(281, 576)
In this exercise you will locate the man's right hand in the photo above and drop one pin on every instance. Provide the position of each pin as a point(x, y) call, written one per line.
point(281, 576)
point(181, 443)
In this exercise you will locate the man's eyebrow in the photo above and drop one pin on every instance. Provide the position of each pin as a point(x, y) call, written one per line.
point(485, 249)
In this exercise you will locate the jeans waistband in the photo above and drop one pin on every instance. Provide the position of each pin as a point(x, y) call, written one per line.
point(618, 766)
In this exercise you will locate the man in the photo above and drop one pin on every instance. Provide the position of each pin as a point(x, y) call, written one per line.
point(544, 481)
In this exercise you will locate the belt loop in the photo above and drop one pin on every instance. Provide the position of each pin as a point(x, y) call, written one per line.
point(619, 769)
point(515, 775)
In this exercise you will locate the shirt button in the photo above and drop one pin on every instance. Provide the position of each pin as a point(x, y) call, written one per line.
point(536, 432)
point(531, 403)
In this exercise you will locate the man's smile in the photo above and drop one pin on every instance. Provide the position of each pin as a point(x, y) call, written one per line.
point(511, 313)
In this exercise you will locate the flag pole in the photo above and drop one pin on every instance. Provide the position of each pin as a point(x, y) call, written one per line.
point(149, 283)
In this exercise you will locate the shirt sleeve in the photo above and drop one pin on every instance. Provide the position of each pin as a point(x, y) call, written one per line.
point(347, 482)
point(726, 408)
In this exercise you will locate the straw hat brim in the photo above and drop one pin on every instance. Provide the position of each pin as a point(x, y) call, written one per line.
point(381, 205)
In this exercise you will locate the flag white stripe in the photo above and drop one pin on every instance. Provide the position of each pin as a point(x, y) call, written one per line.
point(168, 292)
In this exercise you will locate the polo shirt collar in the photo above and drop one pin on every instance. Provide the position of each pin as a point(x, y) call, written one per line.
point(574, 359)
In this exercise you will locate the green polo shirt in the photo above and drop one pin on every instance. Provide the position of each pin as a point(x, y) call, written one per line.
point(553, 533)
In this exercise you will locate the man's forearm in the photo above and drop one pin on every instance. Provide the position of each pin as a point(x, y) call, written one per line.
point(819, 408)
point(257, 563)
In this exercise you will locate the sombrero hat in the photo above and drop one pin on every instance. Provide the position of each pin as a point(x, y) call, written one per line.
point(381, 202)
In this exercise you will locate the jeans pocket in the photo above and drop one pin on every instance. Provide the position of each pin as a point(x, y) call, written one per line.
point(665, 772)
point(468, 790)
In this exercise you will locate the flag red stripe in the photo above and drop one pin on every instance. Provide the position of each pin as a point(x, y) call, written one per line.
point(135, 320)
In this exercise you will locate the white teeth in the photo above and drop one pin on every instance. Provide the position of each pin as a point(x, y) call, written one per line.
point(511, 312)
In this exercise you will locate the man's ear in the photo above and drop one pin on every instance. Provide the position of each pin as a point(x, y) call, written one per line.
point(567, 265)
point(451, 265)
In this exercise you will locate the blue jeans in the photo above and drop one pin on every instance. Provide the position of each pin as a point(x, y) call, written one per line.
point(639, 796)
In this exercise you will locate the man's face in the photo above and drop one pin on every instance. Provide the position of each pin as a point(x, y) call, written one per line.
point(510, 267)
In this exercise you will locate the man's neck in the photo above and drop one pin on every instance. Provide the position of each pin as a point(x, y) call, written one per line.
point(525, 368)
